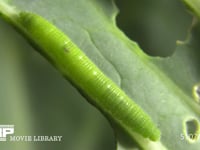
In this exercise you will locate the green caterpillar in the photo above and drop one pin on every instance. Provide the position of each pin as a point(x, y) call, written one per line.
point(82, 72)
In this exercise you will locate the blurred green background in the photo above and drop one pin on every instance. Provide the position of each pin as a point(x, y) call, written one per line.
point(38, 101)
point(156, 25)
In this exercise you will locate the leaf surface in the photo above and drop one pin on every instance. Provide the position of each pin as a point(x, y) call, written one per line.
point(161, 86)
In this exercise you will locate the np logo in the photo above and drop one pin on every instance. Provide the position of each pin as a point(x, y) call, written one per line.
point(6, 130)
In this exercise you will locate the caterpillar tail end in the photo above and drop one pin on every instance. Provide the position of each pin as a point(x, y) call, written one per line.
point(156, 135)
